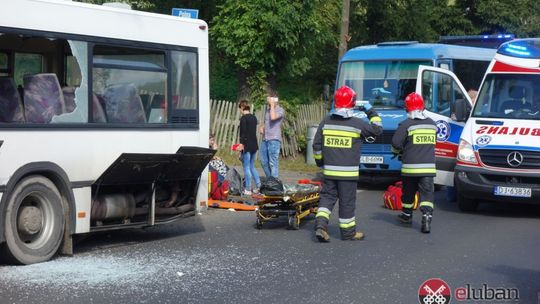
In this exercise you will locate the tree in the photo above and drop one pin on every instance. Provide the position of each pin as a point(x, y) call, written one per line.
point(519, 17)
point(398, 20)
point(344, 30)
point(267, 38)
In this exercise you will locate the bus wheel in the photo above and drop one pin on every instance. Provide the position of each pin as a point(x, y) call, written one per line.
point(34, 223)
point(466, 204)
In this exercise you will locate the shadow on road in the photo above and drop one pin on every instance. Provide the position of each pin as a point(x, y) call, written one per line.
point(387, 217)
point(527, 281)
point(510, 210)
point(127, 237)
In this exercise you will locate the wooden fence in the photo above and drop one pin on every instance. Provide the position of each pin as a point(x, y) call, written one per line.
point(225, 121)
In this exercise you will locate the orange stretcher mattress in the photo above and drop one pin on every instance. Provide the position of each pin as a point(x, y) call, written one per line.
point(228, 205)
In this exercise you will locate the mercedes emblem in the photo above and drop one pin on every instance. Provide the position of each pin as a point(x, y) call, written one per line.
point(370, 139)
point(514, 159)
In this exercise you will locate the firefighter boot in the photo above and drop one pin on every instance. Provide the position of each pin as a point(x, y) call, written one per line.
point(426, 223)
point(405, 218)
point(321, 232)
point(357, 236)
point(322, 235)
point(350, 234)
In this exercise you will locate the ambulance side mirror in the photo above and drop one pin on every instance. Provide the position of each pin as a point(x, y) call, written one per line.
point(462, 110)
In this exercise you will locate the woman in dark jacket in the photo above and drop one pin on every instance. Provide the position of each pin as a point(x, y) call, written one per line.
point(249, 147)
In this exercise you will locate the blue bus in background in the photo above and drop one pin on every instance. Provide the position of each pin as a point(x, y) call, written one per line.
point(385, 73)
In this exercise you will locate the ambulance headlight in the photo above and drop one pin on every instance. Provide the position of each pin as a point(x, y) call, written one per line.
point(466, 152)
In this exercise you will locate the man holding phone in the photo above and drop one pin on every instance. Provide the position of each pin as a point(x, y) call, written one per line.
point(271, 133)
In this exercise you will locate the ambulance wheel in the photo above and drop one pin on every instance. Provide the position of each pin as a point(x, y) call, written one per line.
point(294, 223)
point(34, 221)
point(466, 204)
point(258, 223)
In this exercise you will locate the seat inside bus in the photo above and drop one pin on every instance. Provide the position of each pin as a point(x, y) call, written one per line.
point(123, 104)
point(11, 109)
point(43, 97)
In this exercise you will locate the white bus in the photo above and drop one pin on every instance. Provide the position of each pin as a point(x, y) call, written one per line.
point(104, 122)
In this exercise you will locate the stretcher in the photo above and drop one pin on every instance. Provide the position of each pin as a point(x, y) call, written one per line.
point(295, 204)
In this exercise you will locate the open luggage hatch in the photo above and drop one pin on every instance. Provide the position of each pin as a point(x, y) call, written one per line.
point(143, 188)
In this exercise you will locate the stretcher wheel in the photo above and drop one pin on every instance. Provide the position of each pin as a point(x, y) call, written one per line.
point(294, 223)
point(258, 223)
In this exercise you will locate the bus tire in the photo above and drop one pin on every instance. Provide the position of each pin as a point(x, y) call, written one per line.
point(34, 221)
point(466, 204)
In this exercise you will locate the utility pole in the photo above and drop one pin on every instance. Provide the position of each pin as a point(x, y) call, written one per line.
point(344, 32)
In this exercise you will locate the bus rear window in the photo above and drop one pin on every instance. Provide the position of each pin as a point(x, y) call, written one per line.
point(27, 64)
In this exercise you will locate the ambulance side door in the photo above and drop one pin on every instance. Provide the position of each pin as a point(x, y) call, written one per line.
point(440, 89)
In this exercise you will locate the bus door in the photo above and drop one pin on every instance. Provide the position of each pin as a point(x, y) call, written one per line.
point(440, 89)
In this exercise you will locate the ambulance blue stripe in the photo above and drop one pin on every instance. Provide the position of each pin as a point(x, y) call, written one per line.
point(455, 133)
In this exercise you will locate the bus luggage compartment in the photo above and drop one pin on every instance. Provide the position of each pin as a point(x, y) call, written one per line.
point(145, 189)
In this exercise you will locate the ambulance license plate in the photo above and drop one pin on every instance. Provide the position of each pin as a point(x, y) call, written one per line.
point(512, 191)
point(369, 159)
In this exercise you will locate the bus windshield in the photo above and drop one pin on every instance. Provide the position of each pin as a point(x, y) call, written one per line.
point(514, 96)
point(384, 83)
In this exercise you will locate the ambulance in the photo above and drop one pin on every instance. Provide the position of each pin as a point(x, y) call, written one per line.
point(498, 154)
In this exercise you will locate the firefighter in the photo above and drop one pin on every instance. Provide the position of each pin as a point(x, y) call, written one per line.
point(336, 148)
point(415, 140)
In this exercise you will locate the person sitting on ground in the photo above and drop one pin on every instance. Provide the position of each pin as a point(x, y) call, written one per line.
point(217, 162)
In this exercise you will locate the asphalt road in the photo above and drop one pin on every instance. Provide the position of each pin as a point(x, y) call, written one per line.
point(219, 257)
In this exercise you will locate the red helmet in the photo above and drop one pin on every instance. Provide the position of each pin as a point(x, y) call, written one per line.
point(414, 102)
point(344, 98)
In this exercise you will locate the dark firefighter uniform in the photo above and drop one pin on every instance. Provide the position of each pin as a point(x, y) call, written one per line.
point(336, 148)
point(415, 139)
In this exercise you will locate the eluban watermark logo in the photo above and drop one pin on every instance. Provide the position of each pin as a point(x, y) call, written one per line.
point(486, 293)
point(434, 291)
point(437, 291)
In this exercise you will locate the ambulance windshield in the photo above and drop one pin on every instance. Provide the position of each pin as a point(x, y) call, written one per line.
point(514, 96)
point(384, 83)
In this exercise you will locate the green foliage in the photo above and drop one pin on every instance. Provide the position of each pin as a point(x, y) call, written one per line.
point(398, 20)
point(269, 38)
point(302, 142)
point(223, 87)
point(257, 83)
point(223, 78)
point(519, 17)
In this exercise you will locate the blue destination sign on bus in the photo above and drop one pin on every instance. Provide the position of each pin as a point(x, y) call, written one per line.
point(185, 12)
